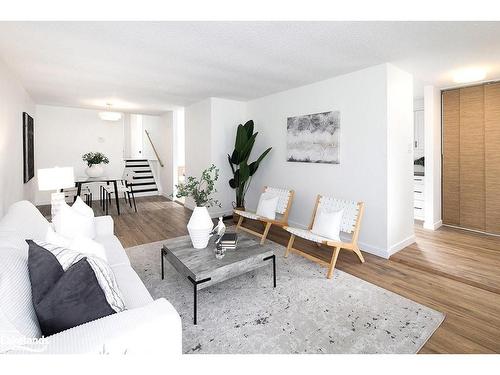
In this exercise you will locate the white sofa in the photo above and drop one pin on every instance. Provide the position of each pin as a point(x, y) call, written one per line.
point(146, 327)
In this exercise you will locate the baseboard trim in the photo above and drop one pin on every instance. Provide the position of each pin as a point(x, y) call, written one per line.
point(402, 244)
point(434, 226)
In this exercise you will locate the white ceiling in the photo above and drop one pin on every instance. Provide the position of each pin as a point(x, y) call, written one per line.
point(151, 67)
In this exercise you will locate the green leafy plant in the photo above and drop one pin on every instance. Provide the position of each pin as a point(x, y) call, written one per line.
point(238, 160)
point(200, 189)
point(92, 158)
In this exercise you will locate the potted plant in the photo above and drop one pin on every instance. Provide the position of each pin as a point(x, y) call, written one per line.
point(94, 161)
point(238, 160)
point(200, 190)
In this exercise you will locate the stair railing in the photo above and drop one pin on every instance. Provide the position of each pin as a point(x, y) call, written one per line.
point(154, 149)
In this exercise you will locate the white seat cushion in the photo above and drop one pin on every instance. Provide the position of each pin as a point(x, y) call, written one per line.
point(308, 235)
point(247, 214)
point(133, 290)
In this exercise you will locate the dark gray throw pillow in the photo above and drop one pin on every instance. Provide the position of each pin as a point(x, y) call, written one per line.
point(63, 300)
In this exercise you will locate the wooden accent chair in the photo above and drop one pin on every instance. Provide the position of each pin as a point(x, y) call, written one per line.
point(282, 210)
point(349, 231)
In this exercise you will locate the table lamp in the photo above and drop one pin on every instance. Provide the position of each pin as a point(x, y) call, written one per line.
point(56, 179)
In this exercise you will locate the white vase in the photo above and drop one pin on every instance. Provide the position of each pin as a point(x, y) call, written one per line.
point(95, 170)
point(199, 227)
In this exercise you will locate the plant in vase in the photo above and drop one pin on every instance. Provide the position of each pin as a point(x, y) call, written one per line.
point(238, 160)
point(200, 190)
point(94, 162)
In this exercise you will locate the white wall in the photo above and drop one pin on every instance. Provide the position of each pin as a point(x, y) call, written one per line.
point(64, 134)
point(226, 115)
point(14, 100)
point(363, 99)
point(432, 113)
point(210, 131)
point(399, 159)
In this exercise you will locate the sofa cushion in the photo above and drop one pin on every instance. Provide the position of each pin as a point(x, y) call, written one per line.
point(15, 286)
point(115, 254)
point(133, 290)
point(64, 299)
point(24, 219)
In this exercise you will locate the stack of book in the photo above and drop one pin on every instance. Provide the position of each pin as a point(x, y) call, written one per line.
point(228, 241)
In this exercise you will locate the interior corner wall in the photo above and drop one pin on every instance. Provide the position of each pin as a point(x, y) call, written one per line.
point(361, 98)
point(399, 159)
point(14, 100)
point(165, 146)
point(197, 120)
point(210, 131)
point(64, 134)
point(432, 115)
point(226, 115)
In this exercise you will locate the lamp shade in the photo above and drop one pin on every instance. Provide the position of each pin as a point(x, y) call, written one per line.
point(55, 178)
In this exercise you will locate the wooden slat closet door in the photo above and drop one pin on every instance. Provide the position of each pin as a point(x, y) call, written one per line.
point(492, 156)
point(472, 175)
point(451, 157)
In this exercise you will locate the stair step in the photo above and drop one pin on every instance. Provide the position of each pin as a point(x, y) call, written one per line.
point(142, 177)
point(138, 165)
point(144, 183)
point(144, 171)
point(145, 190)
point(136, 160)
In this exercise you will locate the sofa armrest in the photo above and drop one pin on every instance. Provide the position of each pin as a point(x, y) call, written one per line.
point(153, 329)
point(104, 226)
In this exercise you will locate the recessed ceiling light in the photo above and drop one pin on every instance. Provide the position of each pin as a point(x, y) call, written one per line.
point(469, 75)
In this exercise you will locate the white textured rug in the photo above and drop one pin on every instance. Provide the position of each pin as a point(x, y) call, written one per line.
point(306, 313)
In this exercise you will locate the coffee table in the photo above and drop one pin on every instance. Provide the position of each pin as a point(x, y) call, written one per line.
point(202, 269)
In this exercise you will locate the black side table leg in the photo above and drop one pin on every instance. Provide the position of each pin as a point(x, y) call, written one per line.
point(273, 257)
point(162, 252)
point(195, 296)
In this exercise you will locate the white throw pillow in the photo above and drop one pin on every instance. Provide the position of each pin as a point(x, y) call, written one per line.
point(80, 244)
point(70, 223)
point(82, 208)
point(267, 206)
point(327, 224)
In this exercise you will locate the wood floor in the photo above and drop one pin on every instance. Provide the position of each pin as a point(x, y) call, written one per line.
point(450, 270)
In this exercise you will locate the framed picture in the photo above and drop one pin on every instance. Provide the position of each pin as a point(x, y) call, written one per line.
point(314, 138)
point(28, 147)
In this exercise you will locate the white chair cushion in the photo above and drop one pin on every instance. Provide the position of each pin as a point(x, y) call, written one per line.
point(247, 214)
point(70, 223)
point(267, 205)
point(308, 235)
point(327, 224)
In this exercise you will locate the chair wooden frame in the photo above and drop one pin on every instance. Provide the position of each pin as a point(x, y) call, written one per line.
point(282, 222)
point(336, 246)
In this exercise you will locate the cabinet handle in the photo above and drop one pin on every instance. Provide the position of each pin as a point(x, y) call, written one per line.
point(417, 208)
point(417, 179)
point(416, 143)
point(416, 191)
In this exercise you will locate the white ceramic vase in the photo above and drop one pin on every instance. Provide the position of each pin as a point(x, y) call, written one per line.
point(199, 227)
point(95, 170)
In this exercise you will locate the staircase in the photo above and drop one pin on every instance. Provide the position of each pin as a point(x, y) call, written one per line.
point(144, 181)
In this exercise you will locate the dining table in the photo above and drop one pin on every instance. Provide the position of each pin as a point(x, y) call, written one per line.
point(79, 181)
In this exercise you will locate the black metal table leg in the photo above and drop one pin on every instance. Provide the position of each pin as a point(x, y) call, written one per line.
point(115, 183)
point(195, 295)
point(162, 253)
point(273, 257)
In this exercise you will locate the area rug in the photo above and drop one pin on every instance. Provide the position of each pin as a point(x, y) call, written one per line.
point(306, 313)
